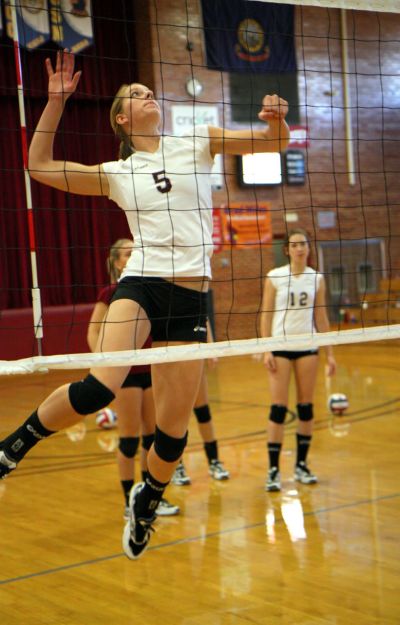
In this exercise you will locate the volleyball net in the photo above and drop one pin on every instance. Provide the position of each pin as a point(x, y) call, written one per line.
point(337, 63)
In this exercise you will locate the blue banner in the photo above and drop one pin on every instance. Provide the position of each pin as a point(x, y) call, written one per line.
point(32, 22)
point(249, 36)
point(71, 24)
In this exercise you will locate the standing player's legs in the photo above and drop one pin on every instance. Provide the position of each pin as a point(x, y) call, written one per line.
point(305, 370)
point(128, 406)
point(279, 389)
point(206, 428)
point(67, 404)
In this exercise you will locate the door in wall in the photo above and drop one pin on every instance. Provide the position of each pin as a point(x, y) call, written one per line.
point(351, 269)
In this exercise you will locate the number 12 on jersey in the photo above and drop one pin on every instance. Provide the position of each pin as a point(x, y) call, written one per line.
point(302, 299)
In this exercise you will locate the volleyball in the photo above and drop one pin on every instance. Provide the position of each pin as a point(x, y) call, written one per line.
point(338, 403)
point(106, 419)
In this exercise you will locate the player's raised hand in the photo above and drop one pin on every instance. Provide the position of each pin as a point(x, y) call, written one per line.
point(62, 81)
point(273, 108)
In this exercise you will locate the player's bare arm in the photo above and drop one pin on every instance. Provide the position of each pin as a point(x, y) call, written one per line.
point(274, 138)
point(62, 175)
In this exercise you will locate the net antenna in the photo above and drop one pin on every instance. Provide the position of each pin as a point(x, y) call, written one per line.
point(35, 291)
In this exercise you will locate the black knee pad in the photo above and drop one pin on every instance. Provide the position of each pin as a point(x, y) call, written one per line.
point(89, 395)
point(203, 414)
point(277, 414)
point(128, 445)
point(147, 441)
point(305, 412)
point(167, 447)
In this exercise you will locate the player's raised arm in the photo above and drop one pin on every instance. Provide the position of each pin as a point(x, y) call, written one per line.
point(63, 175)
point(275, 137)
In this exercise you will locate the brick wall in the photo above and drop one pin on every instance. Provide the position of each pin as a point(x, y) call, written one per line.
point(370, 208)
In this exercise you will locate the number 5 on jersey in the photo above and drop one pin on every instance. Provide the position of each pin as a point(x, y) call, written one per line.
point(163, 183)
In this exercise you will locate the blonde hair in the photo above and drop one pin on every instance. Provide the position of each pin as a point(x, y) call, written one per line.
point(125, 147)
point(114, 254)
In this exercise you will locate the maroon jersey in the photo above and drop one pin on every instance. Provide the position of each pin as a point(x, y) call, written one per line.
point(105, 296)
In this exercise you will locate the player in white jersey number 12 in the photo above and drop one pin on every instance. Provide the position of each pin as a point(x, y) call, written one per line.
point(293, 303)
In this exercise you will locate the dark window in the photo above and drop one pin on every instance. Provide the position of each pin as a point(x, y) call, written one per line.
point(337, 280)
point(248, 90)
point(366, 278)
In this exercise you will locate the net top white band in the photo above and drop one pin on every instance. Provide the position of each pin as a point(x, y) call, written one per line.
point(388, 6)
point(198, 351)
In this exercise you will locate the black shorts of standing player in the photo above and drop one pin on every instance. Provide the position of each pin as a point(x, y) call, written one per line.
point(138, 380)
point(295, 355)
point(175, 312)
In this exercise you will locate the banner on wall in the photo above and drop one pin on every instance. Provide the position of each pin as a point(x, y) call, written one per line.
point(243, 36)
point(32, 22)
point(71, 24)
point(246, 224)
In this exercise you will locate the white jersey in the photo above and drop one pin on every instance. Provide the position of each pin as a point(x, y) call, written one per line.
point(167, 200)
point(294, 300)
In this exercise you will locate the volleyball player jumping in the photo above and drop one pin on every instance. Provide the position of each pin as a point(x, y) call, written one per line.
point(163, 289)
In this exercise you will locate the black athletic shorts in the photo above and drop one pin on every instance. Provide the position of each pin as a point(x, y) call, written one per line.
point(296, 355)
point(175, 313)
point(137, 380)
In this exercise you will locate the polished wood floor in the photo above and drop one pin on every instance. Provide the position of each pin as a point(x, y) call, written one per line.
point(321, 555)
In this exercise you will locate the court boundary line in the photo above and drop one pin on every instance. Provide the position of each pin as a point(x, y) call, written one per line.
point(191, 539)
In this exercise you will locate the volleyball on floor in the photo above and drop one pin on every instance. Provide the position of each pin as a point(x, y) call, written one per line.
point(106, 419)
point(338, 403)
